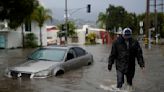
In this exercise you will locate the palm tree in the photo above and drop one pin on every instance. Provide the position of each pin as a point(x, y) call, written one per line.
point(102, 20)
point(71, 28)
point(41, 15)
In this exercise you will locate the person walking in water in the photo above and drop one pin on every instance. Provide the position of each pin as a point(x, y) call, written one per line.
point(124, 51)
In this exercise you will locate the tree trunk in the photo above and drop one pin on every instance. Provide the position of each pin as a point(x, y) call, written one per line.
point(41, 44)
point(23, 40)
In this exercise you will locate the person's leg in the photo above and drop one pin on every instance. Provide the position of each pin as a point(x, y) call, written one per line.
point(120, 79)
point(129, 80)
point(130, 76)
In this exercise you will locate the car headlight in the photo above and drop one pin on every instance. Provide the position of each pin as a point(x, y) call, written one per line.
point(43, 73)
point(7, 72)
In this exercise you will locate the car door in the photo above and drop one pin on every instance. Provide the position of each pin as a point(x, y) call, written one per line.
point(70, 61)
point(82, 56)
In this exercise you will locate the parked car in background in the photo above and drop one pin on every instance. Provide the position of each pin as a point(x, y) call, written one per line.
point(49, 61)
point(51, 41)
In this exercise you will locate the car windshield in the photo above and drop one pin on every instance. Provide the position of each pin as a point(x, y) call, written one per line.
point(48, 54)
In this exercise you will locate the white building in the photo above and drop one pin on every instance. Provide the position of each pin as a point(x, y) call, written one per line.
point(13, 38)
point(81, 33)
point(52, 37)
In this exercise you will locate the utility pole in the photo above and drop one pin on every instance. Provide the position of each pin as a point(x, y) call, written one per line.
point(155, 5)
point(155, 16)
point(147, 22)
point(66, 21)
point(162, 6)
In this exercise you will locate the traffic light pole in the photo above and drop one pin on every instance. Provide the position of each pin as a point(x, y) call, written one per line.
point(66, 18)
point(76, 10)
point(66, 21)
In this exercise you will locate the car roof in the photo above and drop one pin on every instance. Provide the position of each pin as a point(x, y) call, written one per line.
point(59, 46)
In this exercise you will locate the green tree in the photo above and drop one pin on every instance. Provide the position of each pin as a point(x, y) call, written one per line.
point(41, 15)
point(71, 29)
point(15, 11)
point(116, 17)
point(102, 20)
point(132, 22)
point(160, 22)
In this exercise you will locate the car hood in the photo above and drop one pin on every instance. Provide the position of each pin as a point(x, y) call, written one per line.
point(34, 66)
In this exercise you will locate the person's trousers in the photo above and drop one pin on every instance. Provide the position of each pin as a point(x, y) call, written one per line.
point(120, 78)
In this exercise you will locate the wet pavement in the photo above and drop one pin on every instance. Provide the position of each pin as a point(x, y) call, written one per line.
point(88, 78)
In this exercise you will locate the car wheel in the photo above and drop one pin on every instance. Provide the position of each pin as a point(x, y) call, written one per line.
point(89, 63)
point(60, 72)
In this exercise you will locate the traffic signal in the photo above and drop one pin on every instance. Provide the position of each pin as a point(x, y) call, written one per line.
point(63, 27)
point(88, 8)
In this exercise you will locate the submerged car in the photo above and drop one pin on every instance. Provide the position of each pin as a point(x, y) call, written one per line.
point(49, 61)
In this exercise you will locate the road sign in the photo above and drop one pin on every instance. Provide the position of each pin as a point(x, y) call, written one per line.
point(141, 23)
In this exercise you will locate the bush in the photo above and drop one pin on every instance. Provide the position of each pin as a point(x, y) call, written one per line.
point(89, 43)
point(30, 41)
point(91, 38)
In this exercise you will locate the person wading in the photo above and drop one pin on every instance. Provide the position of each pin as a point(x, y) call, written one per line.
point(124, 51)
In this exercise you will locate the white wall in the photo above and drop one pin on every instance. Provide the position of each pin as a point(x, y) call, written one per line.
point(14, 39)
point(81, 36)
point(82, 32)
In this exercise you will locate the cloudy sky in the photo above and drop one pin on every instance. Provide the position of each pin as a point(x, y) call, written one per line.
point(57, 7)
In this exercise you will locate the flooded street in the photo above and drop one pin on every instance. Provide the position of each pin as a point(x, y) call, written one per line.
point(88, 78)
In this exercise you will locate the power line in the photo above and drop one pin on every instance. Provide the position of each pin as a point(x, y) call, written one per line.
point(156, 4)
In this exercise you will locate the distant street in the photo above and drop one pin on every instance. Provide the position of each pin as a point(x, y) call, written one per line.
point(86, 79)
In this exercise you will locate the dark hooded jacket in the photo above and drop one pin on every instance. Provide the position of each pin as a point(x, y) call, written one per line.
point(124, 56)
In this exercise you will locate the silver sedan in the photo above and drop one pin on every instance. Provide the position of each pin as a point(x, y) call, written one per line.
point(48, 61)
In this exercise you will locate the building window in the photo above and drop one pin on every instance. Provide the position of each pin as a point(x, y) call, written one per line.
point(28, 26)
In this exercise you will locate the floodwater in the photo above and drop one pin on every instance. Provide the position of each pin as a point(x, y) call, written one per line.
point(88, 78)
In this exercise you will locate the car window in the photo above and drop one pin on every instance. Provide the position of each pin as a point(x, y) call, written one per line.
point(71, 54)
point(48, 54)
point(79, 51)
